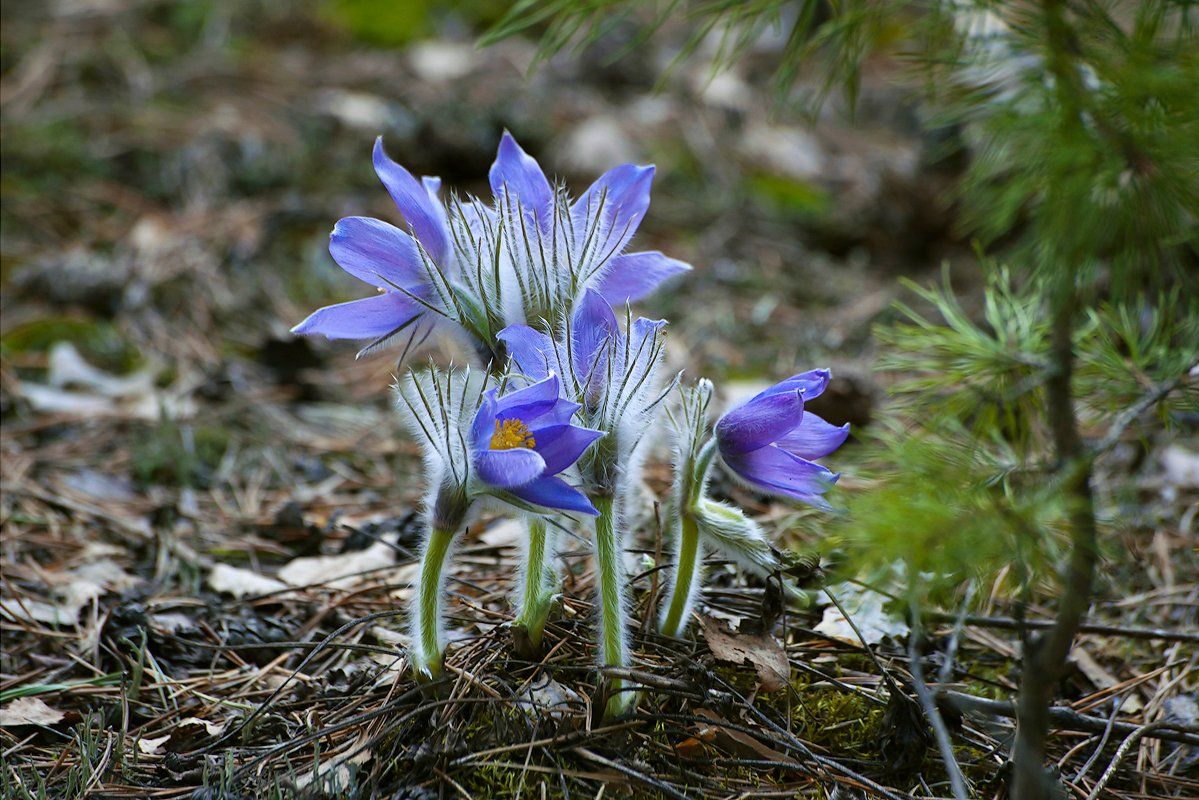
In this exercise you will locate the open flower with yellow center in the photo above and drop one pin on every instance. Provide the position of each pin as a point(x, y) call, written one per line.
point(524, 439)
point(512, 433)
point(479, 444)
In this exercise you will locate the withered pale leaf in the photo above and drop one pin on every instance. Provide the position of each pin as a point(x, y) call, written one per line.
point(763, 651)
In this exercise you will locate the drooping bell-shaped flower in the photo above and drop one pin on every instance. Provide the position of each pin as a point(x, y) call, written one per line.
point(770, 442)
point(767, 442)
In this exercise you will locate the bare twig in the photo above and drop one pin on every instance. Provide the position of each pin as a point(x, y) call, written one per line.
point(1069, 719)
point(1121, 753)
point(1009, 623)
point(957, 780)
point(1130, 414)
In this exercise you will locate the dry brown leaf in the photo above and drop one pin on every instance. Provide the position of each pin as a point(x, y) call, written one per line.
point(763, 651)
point(337, 571)
point(1098, 675)
point(866, 608)
point(738, 742)
point(191, 730)
point(152, 746)
point(29, 711)
point(505, 533)
point(239, 582)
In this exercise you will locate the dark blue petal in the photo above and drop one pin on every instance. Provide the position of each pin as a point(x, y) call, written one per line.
point(530, 350)
point(813, 437)
point(426, 217)
point(520, 174)
point(778, 472)
point(631, 277)
point(561, 445)
point(376, 252)
point(555, 493)
point(540, 414)
point(506, 469)
point(369, 318)
point(562, 412)
point(758, 422)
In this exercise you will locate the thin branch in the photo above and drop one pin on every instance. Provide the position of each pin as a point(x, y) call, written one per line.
point(1130, 414)
point(957, 780)
point(1009, 623)
point(1071, 720)
point(1125, 746)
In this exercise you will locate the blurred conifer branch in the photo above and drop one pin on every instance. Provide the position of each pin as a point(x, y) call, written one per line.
point(1080, 122)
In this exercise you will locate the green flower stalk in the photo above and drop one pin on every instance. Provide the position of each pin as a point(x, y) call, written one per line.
point(767, 443)
point(612, 371)
point(538, 586)
point(610, 575)
point(447, 517)
point(480, 444)
point(692, 458)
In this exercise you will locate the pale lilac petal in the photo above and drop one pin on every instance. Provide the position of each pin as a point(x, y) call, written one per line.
point(778, 472)
point(758, 422)
point(637, 353)
point(426, 217)
point(482, 427)
point(555, 493)
point(592, 325)
point(561, 445)
point(432, 185)
point(813, 437)
point(634, 276)
point(376, 252)
point(521, 175)
point(644, 330)
point(530, 350)
point(506, 469)
point(370, 318)
point(622, 195)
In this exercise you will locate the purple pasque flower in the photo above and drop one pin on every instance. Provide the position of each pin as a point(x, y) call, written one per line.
point(560, 247)
point(522, 440)
point(394, 261)
point(770, 442)
point(481, 267)
point(609, 369)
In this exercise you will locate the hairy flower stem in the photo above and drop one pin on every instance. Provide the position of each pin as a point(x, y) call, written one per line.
point(528, 629)
point(686, 575)
point(613, 650)
point(688, 564)
point(427, 655)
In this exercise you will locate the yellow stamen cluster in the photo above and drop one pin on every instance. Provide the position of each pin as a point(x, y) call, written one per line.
point(510, 434)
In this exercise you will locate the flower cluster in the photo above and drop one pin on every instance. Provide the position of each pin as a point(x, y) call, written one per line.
point(555, 426)
point(478, 267)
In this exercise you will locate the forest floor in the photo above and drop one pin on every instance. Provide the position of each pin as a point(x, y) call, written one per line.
point(208, 525)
